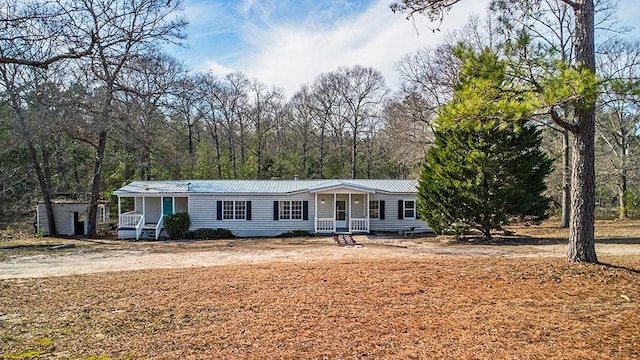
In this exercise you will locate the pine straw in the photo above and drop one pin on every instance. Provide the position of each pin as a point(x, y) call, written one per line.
point(458, 308)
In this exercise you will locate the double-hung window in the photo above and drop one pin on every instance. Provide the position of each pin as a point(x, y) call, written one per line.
point(290, 210)
point(409, 209)
point(234, 210)
point(374, 209)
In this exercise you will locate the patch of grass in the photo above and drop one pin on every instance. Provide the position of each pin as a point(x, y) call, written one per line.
point(41, 346)
point(25, 355)
point(294, 233)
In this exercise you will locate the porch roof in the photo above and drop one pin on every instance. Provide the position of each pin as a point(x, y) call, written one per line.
point(264, 186)
point(340, 184)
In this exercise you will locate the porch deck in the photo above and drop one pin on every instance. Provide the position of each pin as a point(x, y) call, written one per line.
point(133, 225)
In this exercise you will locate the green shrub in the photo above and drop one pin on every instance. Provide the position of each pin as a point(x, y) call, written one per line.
point(212, 234)
point(177, 224)
point(294, 233)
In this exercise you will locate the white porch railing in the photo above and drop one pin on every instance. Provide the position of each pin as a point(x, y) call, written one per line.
point(159, 226)
point(359, 225)
point(139, 227)
point(326, 225)
point(129, 219)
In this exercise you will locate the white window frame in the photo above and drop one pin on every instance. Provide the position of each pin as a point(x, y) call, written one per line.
point(405, 208)
point(287, 207)
point(235, 206)
point(377, 217)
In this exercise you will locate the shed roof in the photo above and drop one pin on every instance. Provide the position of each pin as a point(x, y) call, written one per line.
point(263, 186)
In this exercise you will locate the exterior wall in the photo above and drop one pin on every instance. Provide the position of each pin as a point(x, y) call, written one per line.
point(63, 215)
point(202, 211)
point(391, 221)
point(182, 205)
point(153, 209)
point(203, 214)
point(325, 211)
point(357, 209)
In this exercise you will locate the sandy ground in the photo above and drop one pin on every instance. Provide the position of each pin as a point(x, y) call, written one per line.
point(93, 256)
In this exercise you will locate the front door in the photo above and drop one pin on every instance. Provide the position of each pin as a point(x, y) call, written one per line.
point(341, 214)
point(167, 206)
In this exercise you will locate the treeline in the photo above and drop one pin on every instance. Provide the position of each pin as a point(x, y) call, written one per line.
point(111, 107)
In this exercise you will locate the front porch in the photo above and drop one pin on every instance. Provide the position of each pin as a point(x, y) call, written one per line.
point(146, 220)
point(342, 210)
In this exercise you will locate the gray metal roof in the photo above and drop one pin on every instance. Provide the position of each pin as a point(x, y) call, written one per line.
point(262, 186)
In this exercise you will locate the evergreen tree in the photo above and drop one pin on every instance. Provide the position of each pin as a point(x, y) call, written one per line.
point(486, 165)
point(482, 178)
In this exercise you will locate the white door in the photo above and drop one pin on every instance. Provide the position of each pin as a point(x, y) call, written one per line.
point(341, 214)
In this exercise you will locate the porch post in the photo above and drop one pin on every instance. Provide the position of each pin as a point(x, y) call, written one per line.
point(120, 209)
point(161, 205)
point(173, 203)
point(144, 207)
point(350, 207)
point(334, 212)
point(315, 214)
point(366, 211)
point(366, 208)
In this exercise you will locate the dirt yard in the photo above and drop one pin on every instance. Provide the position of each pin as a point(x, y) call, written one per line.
point(392, 298)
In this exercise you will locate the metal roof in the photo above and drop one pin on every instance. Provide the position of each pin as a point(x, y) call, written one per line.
point(263, 186)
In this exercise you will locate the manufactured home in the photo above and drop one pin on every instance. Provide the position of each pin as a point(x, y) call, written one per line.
point(270, 207)
point(71, 217)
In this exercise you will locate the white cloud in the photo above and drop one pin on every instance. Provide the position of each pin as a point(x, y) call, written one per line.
point(217, 69)
point(288, 56)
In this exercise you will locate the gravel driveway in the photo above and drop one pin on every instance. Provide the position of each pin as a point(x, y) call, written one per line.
point(85, 256)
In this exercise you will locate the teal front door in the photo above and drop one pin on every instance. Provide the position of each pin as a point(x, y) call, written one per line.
point(167, 206)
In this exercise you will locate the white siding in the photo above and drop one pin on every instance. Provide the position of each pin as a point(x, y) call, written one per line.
point(325, 211)
point(181, 205)
point(63, 215)
point(202, 211)
point(153, 208)
point(357, 209)
point(203, 214)
point(391, 221)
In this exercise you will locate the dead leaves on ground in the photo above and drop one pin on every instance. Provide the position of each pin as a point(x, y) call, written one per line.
point(480, 308)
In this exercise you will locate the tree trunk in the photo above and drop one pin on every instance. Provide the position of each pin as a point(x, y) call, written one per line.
point(321, 160)
point(354, 155)
point(581, 231)
point(622, 187)
point(622, 194)
point(95, 184)
point(27, 133)
point(216, 141)
point(566, 180)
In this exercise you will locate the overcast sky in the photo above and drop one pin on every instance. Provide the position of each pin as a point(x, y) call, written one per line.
point(286, 43)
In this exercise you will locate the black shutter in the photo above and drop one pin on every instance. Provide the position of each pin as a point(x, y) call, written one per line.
point(381, 209)
point(219, 210)
point(276, 208)
point(400, 209)
point(305, 210)
point(248, 210)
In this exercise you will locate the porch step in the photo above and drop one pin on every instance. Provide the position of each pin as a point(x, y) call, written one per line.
point(148, 233)
point(346, 240)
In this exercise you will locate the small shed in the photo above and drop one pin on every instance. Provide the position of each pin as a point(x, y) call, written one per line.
point(71, 217)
